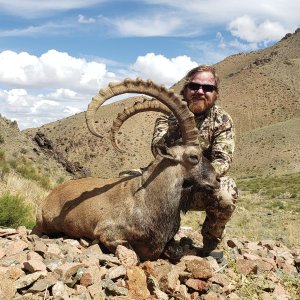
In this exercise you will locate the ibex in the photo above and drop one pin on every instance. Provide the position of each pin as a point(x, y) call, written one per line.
point(141, 212)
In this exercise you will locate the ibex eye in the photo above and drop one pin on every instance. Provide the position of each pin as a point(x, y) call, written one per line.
point(194, 159)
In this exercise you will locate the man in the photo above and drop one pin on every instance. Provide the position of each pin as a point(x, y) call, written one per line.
point(216, 135)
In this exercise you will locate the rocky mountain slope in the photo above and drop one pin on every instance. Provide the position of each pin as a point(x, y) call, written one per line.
point(259, 89)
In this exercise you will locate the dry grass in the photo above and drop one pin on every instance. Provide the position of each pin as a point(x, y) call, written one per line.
point(258, 215)
point(28, 189)
point(259, 222)
point(253, 221)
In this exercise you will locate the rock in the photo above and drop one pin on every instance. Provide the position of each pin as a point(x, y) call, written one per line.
point(116, 272)
point(15, 247)
point(126, 256)
point(27, 280)
point(246, 267)
point(33, 265)
point(45, 268)
point(197, 284)
point(7, 288)
point(200, 269)
point(137, 283)
point(66, 270)
point(92, 275)
point(59, 291)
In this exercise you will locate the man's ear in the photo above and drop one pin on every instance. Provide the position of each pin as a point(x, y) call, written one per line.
point(165, 152)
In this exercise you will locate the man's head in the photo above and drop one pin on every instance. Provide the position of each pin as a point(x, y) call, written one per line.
point(201, 88)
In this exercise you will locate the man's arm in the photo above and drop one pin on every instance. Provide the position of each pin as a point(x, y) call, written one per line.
point(160, 130)
point(223, 145)
point(166, 132)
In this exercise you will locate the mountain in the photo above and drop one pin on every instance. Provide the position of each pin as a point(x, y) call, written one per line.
point(259, 89)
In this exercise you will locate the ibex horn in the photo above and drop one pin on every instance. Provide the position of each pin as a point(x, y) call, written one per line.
point(178, 107)
point(138, 107)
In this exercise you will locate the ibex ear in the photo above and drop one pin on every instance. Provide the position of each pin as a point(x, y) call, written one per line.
point(166, 152)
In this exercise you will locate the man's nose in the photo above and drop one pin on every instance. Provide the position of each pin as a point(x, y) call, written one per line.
point(200, 90)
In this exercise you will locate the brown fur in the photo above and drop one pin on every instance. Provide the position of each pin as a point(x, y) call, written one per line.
point(142, 212)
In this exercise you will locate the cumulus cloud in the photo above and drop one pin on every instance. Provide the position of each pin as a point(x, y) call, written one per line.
point(162, 69)
point(55, 85)
point(247, 29)
point(52, 69)
point(49, 87)
point(31, 110)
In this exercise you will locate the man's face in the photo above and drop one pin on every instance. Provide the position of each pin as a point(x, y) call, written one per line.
point(200, 100)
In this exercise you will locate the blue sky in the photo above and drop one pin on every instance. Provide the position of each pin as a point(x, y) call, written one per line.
point(56, 54)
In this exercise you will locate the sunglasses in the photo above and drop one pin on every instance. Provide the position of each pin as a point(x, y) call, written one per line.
point(205, 87)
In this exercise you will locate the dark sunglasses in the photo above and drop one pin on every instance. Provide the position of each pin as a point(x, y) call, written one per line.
point(194, 86)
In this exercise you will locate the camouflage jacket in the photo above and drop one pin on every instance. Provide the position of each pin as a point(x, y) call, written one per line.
point(216, 136)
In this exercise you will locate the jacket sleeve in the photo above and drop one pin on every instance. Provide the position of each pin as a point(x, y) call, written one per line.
point(160, 130)
point(166, 132)
point(223, 145)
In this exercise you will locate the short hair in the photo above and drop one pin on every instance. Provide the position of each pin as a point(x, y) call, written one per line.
point(202, 68)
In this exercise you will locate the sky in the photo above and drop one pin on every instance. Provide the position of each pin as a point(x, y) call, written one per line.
point(55, 55)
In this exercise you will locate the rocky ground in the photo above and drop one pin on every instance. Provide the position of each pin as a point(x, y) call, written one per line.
point(63, 268)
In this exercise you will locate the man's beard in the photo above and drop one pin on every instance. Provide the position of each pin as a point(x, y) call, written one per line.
point(198, 106)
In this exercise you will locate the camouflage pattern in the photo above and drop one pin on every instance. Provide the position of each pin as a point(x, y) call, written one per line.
point(216, 136)
point(219, 209)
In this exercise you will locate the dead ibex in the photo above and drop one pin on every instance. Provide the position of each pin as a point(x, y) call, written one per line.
point(142, 212)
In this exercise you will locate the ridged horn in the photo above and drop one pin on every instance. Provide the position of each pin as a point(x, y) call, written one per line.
point(137, 107)
point(147, 87)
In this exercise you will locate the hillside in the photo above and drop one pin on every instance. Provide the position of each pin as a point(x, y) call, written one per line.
point(259, 89)
point(16, 145)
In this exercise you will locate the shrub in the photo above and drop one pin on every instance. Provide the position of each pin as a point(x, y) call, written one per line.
point(60, 180)
point(4, 167)
point(14, 212)
point(29, 171)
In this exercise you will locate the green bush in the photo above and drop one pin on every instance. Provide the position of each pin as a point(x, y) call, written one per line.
point(29, 171)
point(14, 212)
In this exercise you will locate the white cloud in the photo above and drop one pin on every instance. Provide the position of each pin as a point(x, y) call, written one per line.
point(49, 28)
point(83, 20)
point(269, 19)
point(69, 110)
point(56, 85)
point(36, 8)
point(52, 69)
point(236, 45)
point(43, 106)
point(157, 25)
point(31, 110)
point(245, 28)
point(162, 69)
point(63, 94)
point(233, 45)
